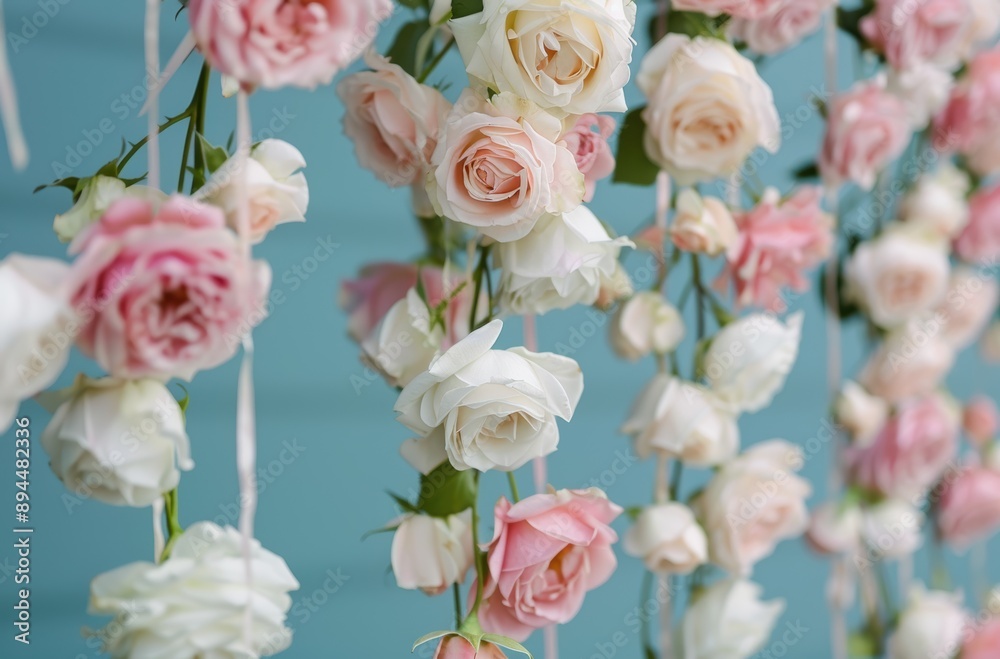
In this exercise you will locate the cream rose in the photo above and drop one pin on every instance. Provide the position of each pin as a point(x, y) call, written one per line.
point(95, 198)
point(432, 553)
point(500, 167)
point(835, 528)
point(497, 407)
point(910, 362)
point(668, 539)
point(968, 306)
point(860, 413)
point(728, 620)
point(708, 108)
point(892, 528)
point(924, 89)
point(569, 56)
point(937, 203)
point(644, 325)
point(702, 225)
point(405, 342)
point(931, 625)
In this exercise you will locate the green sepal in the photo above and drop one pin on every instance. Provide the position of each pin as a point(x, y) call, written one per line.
point(403, 51)
point(505, 642)
point(462, 8)
point(446, 491)
point(430, 637)
point(212, 156)
point(633, 165)
point(404, 504)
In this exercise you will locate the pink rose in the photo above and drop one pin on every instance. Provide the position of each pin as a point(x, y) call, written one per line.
point(979, 241)
point(867, 128)
point(739, 8)
point(547, 552)
point(983, 642)
point(779, 241)
point(785, 25)
point(274, 43)
point(587, 140)
point(911, 452)
point(393, 120)
point(969, 508)
point(909, 32)
point(454, 646)
point(970, 303)
point(909, 363)
point(970, 122)
point(164, 292)
point(981, 420)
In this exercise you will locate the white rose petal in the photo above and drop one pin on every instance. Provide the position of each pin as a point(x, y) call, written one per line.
point(937, 203)
point(432, 553)
point(931, 625)
point(860, 413)
point(405, 343)
point(728, 620)
point(644, 325)
point(669, 540)
point(893, 528)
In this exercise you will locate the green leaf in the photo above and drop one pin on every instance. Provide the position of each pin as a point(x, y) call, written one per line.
point(691, 23)
point(404, 504)
point(212, 156)
point(633, 165)
point(505, 642)
point(460, 8)
point(403, 51)
point(861, 644)
point(806, 172)
point(430, 637)
point(415, 4)
point(185, 402)
point(446, 491)
point(69, 183)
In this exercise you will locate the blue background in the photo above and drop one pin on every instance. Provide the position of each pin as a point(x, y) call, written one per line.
point(72, 70)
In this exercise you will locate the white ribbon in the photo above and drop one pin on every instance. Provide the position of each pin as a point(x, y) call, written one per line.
point(185, 48)
point(152, 39)
point(16, 145)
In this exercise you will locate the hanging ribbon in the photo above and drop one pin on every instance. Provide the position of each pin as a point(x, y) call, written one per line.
point(17, 147)
point(152, 39)
point(185, 48)
point(159, 542)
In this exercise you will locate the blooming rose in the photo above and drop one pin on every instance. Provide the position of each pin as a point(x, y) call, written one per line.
point(931, 625)
point(970, 122)
point(500, 166)
point(867, 128)
point(983, 642)
point(547, 552)
point(702, 225)
point(893, 528)
point(937, 202)
point(194, 604)
point(34, 328)
point(683, 420)
point(497, 407)
point(95, 198)
point(910, 362)
point(909, 32)
point(118, 441)
point(405, 343)
point(898, 276)
point(968, 306)
point(981, 419)
point(924, 89)
point(432, 553)
point(668, 539)
point(368, 298)
point(860, 413)
point(569, 56)
point(728, 620)
point(457, 647)
point(749, 359)
point(979, 242)
point(590, 149)
point(561, 263)
point(777, 243)
point(835, 528)
point(782, 26)
point(276, 190)
point(275, 44)
point(163, 292)
point(739, 8)
point(911, 451)
point(744, 525)
point(646, 324)
point(614, 287)
point(708, 108)
point(393, 120)
point(969, 508)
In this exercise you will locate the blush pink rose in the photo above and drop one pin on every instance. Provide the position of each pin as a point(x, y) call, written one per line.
point(738, 8)
point(456, 647)
point(969, 508)
point(587, 140)
point(547, 552)
point(981, 420)
point(276, 43)
point(970, 122)
point(983, 642)
point(909, 32)
point(785, 25)
point(163, 292)
point(779, 242)
point(979, 241)
point(867, 128)
point(911, 452)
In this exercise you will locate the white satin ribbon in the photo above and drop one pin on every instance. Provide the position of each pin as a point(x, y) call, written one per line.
point(152, 39)
point(185, 48)
point(17, 147)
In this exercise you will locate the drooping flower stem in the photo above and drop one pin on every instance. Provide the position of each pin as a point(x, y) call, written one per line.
point(512, 479)
point(174, 529)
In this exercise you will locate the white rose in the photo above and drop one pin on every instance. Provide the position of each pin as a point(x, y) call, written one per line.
point(668, 539)
point(937, 202)
point(898, 276)
point(728, 620)
point(924, 89)
point(500, 166)
point(968, 306)
point(991, 343)
point(750, 359)
point(561, 263)
point(860, 413)
point(440, 10)
point(708, 108)
point(404, 343)
point(194, 603)
point(752, 503)
point(835, 528)
point(34, 328)
point(646, 324)
point(118, 441)
point(911, 361)
point(569, 56)
point(614, 287)
point(931, 625)
point(497, 407)
point(702, 225)
point(892, 528)
point(95, 198)
point(683, 420)
point(277, 191)
point(432, 553)
point(985, 23)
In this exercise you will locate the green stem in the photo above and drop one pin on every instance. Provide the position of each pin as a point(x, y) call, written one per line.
point(184, 155)
point(429, 69)
point(458, 604)
point(141, 143)
point(482, 270)
point(477, 554)
point(174, 529)
point(513, 486)
point(644, 635)
point(699, 292)
point(200, 103)
point(675, 479)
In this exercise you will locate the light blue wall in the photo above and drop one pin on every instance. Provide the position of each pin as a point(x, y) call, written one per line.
point(71, 74)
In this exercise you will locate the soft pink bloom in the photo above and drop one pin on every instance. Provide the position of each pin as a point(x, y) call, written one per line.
point(740, 8)
point(908, 32)
point(981, 420)
point(867, 128)
point(969, 508)
point(779, 242)
point(979, 241)
point(164, 292)
point(547, 552)
point(587, 140)
point(911, 452)
point(834, 528)
point(909, 363)
point(785, 25)
point(970, 122)
point(454, 646)
point(275, 43)
point(983, 642)
point(969, 305)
